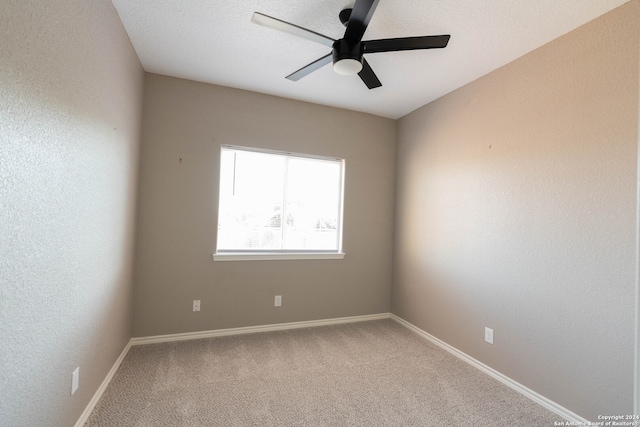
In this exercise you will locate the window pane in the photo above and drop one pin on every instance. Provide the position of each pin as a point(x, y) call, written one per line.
point(251, 189)
point(278, 202)
point(313, 204)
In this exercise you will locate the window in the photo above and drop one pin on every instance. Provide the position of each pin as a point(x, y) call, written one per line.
point(278, 205)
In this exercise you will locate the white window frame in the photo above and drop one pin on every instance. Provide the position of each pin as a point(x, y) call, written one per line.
point(265, 255)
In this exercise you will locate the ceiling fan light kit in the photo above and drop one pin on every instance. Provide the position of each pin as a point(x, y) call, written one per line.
point(347, 67)
point(347, 53)
point(347, 58)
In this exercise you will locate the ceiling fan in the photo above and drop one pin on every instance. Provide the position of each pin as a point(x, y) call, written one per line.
point(347, 52)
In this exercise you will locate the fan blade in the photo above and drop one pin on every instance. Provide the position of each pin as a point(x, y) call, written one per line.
point(359, 19)
point(277, 24)
point(405, 43)
point(368, 76)
point(310, 68)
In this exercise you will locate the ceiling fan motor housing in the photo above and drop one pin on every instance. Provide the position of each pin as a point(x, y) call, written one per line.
point(347, 56)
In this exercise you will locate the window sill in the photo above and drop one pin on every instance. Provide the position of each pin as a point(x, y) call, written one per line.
point(255, 256)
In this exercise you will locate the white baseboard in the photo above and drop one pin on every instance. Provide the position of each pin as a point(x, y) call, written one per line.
point(98, 394)
point(527, 392)
point(254, 329)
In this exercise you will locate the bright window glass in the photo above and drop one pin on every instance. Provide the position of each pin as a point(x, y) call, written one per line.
point(279, 202)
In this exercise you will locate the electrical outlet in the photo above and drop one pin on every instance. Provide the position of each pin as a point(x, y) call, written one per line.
point(75, 380)
point(196, 305)
point(488, 335)
point(278, 301)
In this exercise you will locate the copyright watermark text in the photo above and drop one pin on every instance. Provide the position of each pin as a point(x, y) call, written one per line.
point(605, 421)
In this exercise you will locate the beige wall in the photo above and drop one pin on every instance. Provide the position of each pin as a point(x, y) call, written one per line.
point(178, 211)
point(70, 110)
point(516, 210)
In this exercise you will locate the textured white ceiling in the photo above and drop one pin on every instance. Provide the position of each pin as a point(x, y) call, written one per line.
point(214, 41)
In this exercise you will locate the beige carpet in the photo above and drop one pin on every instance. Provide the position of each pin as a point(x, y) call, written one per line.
point(375, 373)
